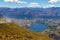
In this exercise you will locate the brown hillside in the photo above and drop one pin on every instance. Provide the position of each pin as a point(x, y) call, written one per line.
point(10, 31)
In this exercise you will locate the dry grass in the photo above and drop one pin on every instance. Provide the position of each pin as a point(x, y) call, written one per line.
point(10, 31)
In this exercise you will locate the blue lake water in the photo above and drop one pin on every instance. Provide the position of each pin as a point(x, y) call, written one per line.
point(38, 27)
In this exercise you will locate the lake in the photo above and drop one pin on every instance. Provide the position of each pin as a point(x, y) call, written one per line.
point(38, 27)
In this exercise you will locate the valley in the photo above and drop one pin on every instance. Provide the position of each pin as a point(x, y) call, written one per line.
point(11, 31)
point(30, 21)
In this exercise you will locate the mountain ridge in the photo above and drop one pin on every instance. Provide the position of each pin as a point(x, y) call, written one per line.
point(30, 13)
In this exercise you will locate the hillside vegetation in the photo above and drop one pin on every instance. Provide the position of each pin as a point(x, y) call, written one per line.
point(10, 31)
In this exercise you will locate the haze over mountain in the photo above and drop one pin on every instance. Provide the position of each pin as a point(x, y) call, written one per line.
point(30, 13)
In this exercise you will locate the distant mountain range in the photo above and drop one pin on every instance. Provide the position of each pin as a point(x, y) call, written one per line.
point(30, 13)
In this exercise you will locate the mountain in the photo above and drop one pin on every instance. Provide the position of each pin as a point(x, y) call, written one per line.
point(30, 13)
point(10, 31)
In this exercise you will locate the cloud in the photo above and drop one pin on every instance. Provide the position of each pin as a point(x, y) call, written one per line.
point(17, 1)
point(48, 6)
point(54, 1)
point(22, 2)
point(34, 5)
point(11, 0)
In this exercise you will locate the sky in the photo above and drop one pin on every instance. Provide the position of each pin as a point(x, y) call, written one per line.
point(29, 3)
